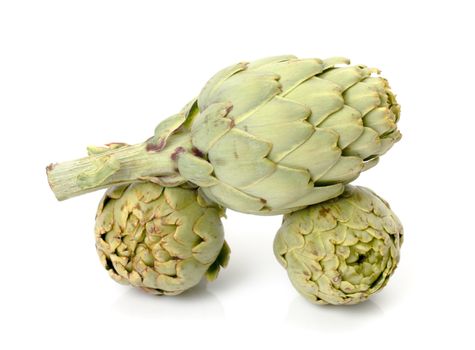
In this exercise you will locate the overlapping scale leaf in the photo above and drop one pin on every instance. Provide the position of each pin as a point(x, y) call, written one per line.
point(317, 154)
point(381, 120)
point(367, 145)
point(323, 97)
point(246, 91)
point(206, 96)
point(291, 183)
point(231, 197)
point(210, 125)
point(293, 72)
point(347, 123)
point(362, 97)
point(344, 171)
point(346, 253)
point(346, 77)
point(272, 123)
point(239, 159)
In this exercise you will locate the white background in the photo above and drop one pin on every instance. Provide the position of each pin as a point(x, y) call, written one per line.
point(76, 73)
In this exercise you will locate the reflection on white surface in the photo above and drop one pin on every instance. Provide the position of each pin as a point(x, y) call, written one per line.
point(304, 314)
point(196, 303)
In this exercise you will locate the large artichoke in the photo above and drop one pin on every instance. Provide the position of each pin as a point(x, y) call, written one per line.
point(341, 251)
point(163, 240)
point(267, 137)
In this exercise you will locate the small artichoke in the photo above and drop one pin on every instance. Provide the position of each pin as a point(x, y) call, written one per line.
point(267, 137)
point(343, 250)
point(163, 240)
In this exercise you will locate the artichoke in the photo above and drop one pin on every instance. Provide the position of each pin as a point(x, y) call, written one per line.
point(163, 240)
point(340, 251)
point(267, 137)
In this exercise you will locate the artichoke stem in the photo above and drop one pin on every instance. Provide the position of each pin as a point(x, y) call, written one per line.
point(117, 164)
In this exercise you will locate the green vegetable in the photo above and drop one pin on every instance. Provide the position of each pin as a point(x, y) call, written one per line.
point(341, 251)
point(267, 137)
point(163, 240)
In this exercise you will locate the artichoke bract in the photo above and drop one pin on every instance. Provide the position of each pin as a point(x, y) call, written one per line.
point(341, 251)
point(267, 137)
point(163, 240)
